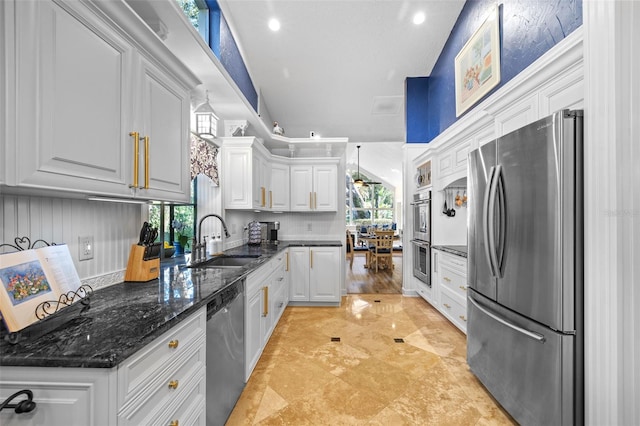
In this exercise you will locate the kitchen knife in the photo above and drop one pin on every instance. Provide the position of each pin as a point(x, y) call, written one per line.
point(143, 234)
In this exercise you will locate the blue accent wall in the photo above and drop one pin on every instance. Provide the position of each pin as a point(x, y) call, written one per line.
point(226, 50)
point(417, 107)
point(528, 28)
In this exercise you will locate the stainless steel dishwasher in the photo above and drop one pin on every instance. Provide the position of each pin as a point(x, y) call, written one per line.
point(225, 352)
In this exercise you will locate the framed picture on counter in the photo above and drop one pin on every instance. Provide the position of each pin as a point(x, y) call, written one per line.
point(477, 65)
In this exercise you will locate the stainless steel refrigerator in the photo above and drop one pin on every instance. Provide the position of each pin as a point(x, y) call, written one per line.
point(525, 261)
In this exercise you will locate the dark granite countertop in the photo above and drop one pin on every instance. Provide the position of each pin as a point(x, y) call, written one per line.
point(457, 250)
point(125, 317)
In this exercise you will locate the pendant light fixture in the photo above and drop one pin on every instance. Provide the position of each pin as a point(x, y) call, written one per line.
point(206, 120)
point(359, 182)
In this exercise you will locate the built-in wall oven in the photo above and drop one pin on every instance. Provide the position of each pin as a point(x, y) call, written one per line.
point(421, 242)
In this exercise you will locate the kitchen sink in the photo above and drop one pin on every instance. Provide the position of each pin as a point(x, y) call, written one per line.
point(228, 261)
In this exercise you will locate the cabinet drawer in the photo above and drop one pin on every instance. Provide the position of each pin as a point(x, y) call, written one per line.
point(135, 373)
point(454, 308)
point(166, 388)
point(190, 409)
point(453, 280)
point(456, 263)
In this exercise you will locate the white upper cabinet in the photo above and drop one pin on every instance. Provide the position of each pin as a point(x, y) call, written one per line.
point(246, 174)
point(84, 88)
point(314, 186)
point(279, 195)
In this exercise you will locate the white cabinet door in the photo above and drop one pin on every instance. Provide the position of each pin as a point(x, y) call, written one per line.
point(314, 187)
point(299, 274)
point(261, 178)
point(237, 177)
point(63, 396)
point(74, 103)
point(325, 188)
point(324, 278)
point(301, 187)
point(279, 187)
point(254, 330)
point(164, 168)
point(315, 274)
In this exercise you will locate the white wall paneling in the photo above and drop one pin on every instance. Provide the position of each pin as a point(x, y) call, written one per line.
point(114, 227)
point(612, 212)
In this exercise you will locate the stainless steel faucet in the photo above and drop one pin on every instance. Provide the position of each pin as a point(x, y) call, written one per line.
point(201, 246)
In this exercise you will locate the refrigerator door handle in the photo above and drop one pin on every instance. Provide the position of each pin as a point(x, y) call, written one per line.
point(502, 228)
point(487, 219)
point(493, 190)
point(533, 335)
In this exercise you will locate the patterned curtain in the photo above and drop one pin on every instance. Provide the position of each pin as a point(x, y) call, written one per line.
point(203, 158)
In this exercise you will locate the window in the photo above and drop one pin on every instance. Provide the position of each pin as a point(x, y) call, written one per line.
point(183, 215)
point(198, 13)
point(369, 205)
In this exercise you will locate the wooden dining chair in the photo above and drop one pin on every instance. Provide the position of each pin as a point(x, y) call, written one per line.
point(350, 248)
point(382, 250)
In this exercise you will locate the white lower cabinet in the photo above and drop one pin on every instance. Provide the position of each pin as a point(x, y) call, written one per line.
point(315, 274)
point(63, 396)
point(450, 275)
point(266, 294)
point(162, 383)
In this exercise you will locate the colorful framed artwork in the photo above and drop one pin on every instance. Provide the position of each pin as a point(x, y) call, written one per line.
point(477, 66)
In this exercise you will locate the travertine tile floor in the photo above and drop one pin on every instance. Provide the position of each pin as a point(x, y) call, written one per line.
point(305, 378)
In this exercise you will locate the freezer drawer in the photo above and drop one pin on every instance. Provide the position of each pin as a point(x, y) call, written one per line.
point(531, 375)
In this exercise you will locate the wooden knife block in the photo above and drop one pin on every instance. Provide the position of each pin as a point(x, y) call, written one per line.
point(140, 270)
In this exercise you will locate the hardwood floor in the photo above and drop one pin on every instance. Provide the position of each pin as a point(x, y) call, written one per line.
point(361, 280)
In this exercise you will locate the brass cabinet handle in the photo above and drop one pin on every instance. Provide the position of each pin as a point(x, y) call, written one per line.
point(263, 201)
point(311, 200)
point(174, 423)
point(287, 268)
point(173, 344)
point(270, 199)
point(173, 384)
point(446, 279)
point(146, 162)
point(265, 310)
point(463, 288)
point(462, 317)
point(136, 157)
point(446, 306)
point(311, 258)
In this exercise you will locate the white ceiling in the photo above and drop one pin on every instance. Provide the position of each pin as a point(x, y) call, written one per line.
point(338, 67)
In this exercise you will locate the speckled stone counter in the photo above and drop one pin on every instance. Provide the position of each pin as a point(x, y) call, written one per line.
point(125, 317)
point(457, 250)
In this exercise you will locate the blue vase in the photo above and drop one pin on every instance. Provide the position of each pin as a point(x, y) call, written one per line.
point(178, 247)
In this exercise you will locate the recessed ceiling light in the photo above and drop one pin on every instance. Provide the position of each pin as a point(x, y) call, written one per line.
point(274, 24)
point(419, 18)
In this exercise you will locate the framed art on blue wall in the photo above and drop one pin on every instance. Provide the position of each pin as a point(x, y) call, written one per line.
point(477, 65)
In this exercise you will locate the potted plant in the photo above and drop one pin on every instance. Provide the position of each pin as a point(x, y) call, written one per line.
point(181, 236)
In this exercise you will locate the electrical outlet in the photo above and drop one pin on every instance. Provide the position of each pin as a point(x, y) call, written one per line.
point(309, 227)
point(312, 134)
point(85, 247)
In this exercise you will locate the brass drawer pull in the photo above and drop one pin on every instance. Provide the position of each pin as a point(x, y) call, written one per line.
point(447, 279)
point(446, 306)
point(173, 384)
point(174, 344)
point(174, 423)
point(462, 317)
point(463, 288)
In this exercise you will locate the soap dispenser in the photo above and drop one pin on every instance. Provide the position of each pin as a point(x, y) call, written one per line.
point(211, 246)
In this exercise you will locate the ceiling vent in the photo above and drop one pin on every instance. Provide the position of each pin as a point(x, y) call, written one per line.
point(387, 105)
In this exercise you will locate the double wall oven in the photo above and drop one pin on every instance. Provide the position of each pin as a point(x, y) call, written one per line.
point(421, 242)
